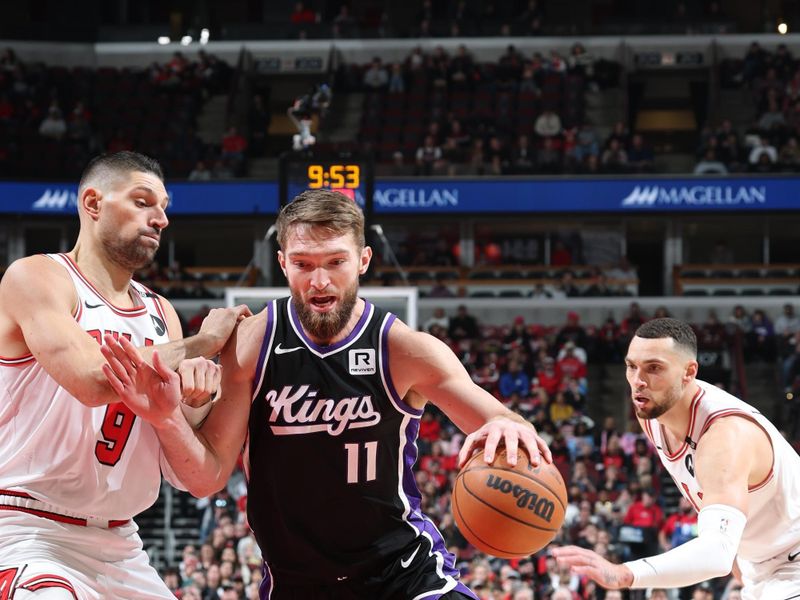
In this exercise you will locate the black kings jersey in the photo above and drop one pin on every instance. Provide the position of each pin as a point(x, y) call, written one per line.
point(332, 495)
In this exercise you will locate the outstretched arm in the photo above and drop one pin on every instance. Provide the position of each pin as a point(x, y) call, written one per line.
point(201, 459)
point(37, 307)
point(723, 466)
point(423, 367)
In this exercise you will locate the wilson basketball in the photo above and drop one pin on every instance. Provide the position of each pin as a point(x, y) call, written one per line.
point(506, 511)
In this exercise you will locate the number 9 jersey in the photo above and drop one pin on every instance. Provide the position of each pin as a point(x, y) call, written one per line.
point(71, 462)
point(332, 498)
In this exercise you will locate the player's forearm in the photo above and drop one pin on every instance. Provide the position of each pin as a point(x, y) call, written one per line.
point(172, 353)
point(711, 554)
point(191, 457)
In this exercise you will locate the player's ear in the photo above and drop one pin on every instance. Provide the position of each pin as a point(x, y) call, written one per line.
point(691, 371)
point(366, 257)
point(90, 202)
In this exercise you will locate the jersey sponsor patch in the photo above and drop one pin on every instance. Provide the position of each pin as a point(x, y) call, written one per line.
point(361, 361)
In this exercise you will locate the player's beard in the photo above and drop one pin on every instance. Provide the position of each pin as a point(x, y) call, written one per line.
point(668, 400)
point(325, 326)
point(132, 255)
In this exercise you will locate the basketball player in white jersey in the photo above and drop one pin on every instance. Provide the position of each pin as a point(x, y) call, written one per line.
point(75, 464)
point(727, 459)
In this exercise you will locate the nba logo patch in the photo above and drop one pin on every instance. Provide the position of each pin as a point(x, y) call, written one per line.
point(362, 361)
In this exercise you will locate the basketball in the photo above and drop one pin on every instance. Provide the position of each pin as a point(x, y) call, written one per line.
point(506, 511)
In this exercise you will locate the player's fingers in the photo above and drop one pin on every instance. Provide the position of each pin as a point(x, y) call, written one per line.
point(467, 449)
point(132, 351)
point(188, 387)
point(511, 440)
point(529, 441)
point(490, 447)
point(242, 310)
point(167, 374)
point(544, 449)
point(115, 365)
point(113, 380)
point(124, 358)
point(213, 378)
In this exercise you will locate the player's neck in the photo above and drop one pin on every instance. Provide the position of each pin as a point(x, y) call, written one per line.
point(111, 280)
point(676, 420)
point(358, 310)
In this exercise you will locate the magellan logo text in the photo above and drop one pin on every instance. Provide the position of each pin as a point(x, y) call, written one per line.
point(644, 196)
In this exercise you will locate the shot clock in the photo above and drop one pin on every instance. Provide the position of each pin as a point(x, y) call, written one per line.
point(347, 173)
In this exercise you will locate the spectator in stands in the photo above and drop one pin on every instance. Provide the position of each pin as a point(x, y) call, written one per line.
point(439, 318)
point(710, 164)
point(523, 157)
point(514, 381)
point(761, 339)
point(548, 157)
point(428, 156)
point(599, 287)
point(78, 128)
point(463, 325)
point(259, 120)
point(772, 118)
point(548, 124)
point(547, 377)
point(222, 170)
point(647, 516)
point(53, 126)
point(397, 82)
point(440, 289)
point(640, 156)
point(200, 172)
point(789, 156)
point(623, 270)
point(679, 527)
point(631, 321)
point(570, 364)
point(786, 326)
point(233, 148)
point(561, 255)
point(302, 15)
point(615, 158)
point(376, 77)
point(764, 148)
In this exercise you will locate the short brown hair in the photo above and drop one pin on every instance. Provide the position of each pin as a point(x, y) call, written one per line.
point(323, 208)
point(680, 332)
point(120, 163)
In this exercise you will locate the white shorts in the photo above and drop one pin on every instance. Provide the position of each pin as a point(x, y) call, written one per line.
point(774, 579)
point(86, 563)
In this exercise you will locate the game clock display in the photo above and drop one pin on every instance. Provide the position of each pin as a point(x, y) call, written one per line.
point(348, 174)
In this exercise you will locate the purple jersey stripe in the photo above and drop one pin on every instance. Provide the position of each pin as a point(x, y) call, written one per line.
point(422, 523)
point(387, 374)
point(362, 321)
point(262, 355)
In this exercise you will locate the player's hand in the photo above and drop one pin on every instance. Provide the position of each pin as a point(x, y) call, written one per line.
point(151, 392)
point(585, 562)
point(200, 379)
point(220, 322)
point(510, 432)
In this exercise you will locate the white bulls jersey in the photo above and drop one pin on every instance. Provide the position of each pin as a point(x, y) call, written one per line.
point(773, 521)
point(99, 462)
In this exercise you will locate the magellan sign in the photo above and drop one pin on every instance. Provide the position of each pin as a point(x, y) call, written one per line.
point(417, 197)
point(643, 196)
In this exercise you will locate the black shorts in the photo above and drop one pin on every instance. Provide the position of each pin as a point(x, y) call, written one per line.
point(411, 573)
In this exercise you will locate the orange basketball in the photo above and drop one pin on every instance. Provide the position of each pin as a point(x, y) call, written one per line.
point(506, 511)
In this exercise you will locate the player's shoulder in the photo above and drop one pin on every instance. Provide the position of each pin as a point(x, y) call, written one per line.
point(35, 271)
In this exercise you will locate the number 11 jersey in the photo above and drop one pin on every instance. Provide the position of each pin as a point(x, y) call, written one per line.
point(332, 496)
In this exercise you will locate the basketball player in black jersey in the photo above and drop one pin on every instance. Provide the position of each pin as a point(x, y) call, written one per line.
point(325, 392)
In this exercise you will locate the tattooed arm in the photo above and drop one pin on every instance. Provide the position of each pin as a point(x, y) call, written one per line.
point(594, 566)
